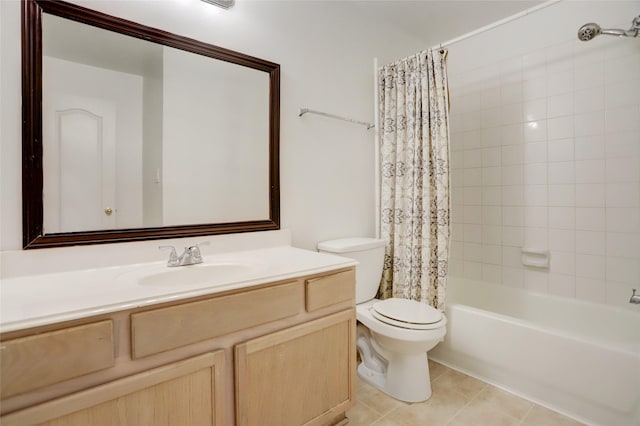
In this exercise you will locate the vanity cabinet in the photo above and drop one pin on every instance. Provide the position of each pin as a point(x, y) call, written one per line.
point(280, 353)
point(298, 376)
point(189, 392)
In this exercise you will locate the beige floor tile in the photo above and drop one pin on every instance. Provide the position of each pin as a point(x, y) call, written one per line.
point(541, 416)
point(502, 401)
point(461, 383)
point(436, 369)
point(362, 415)
point(375, 399)
point(482, 412)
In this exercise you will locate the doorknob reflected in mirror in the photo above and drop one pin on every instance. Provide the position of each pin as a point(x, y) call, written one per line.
point(108, 211)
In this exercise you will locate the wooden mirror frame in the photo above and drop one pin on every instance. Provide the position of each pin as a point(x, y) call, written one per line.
point(32, 177)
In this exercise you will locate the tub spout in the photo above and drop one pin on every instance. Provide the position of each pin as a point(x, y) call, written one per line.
point(635, 298)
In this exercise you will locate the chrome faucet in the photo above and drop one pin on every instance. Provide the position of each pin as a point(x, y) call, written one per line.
point(190, 256)
point(635, 298)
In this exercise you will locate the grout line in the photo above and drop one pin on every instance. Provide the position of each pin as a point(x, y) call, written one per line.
point(521, 423)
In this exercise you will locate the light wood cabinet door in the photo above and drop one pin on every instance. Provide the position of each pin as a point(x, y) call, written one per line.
point(303, 375)
point(188, 392)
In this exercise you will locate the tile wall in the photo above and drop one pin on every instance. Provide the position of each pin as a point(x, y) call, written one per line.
point(545, 154)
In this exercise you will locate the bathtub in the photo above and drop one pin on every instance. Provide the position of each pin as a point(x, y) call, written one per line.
point(581, 359)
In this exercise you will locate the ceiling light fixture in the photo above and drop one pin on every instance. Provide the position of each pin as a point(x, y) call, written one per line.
point(225, 4)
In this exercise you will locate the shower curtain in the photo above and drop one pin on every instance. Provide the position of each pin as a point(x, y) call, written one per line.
point(414, 177)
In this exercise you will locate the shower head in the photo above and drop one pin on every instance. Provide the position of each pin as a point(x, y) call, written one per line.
point(590, 30)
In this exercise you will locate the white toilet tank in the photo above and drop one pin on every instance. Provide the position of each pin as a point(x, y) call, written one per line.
point(369, 252)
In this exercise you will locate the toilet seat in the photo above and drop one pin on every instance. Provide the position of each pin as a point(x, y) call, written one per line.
point(406, 313)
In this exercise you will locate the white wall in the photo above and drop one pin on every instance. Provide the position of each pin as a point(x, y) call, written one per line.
point(546, 153)
point(326, 166)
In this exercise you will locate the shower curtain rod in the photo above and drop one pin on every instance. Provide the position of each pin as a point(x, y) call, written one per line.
point(496, 24)
point(303, 111)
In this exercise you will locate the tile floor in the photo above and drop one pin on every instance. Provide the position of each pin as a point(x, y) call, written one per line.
point(457, 400)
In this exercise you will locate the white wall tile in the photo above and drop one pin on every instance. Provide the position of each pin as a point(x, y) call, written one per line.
point(623, 219)
point(491, 176)
point(513, 236)
point(562, 195)
point(511, 113)
point(511, 154)
point(491, 156)
point(513, 195)
point(534, 88)
point(492, 254)
point(561, 150)
point(590, 266)
point(472, 270)
point(535, 152)
point(472, 233)
point(535, 217)
point(589, 100)
point(472, 177)
point(561, 172)
point(535, 174)
point(536, 281)
point(491, 273)
point(536, 237)
point(623, 270)
point(590, 242)
point(535, 110)
point(589, 124)
point(491, 117)
point(590, 218)
point(492, 215)
point(535, 131)
point(623, 169)
point(590, 171)
point(590, 195)
point(472, 252)
point(622, 145)
point(492, 234)
point(622, 120)
point(490, 97)
point(512, 216)
point(593, 290)
point(559, 82)
point(588, 77)
point(560, 128)
point(623, 245)
point(560, 105)
point(619, 95)
point(562, 285)
point(562, 217)
point(562, 240)
point(562, 262)
point(623, 194)
point(512, 175)
point(535, 195)
point(511, 135)
point(589, 147)
point(492, 195)
point(489, 137)
point(511, 93)
point(513, 277)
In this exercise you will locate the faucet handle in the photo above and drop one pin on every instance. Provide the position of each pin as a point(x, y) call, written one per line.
point(173, 256)
point(194, 250)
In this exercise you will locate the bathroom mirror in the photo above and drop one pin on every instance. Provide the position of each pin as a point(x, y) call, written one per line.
point(133, 133)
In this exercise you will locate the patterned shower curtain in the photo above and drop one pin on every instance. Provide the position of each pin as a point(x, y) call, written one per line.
point(414, 169)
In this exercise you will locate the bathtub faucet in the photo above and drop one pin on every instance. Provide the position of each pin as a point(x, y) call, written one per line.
point(635, 298)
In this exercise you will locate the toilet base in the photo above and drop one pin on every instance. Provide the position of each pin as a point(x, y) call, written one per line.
point(407, 379)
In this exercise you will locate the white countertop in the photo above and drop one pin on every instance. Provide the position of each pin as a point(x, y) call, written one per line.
point(30, 301)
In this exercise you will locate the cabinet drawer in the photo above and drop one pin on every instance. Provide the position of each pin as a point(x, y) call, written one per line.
point(175, 326)
point(35, 361)
point(330, 289)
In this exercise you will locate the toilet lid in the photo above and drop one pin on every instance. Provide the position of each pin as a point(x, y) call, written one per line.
point(406, 313)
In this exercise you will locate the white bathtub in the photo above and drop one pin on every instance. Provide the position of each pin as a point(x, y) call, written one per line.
point(579, 358)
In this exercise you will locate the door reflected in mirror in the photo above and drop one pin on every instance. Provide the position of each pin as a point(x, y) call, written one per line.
point(144, 134)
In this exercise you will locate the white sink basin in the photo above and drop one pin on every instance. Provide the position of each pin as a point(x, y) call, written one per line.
point(201, 274)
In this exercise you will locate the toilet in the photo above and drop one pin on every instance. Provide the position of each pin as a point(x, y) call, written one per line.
point(393, 335)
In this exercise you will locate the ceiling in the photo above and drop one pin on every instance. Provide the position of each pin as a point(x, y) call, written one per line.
point(434, 22)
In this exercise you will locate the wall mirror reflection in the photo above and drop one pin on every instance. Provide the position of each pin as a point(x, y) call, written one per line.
point(145, 134)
